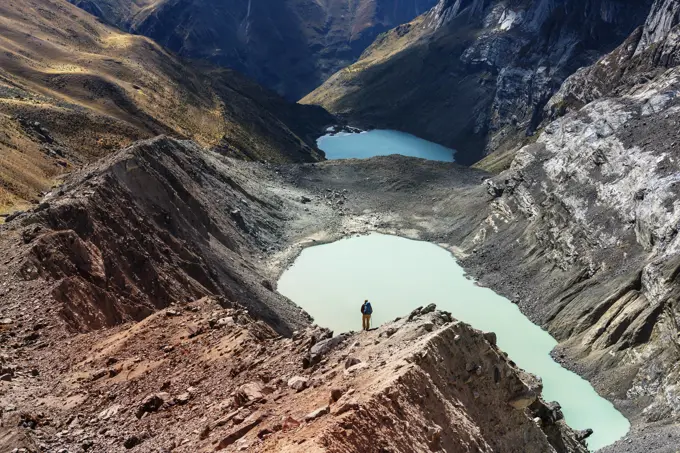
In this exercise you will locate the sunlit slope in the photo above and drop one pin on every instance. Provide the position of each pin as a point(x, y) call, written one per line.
point(73, 89)
point(290, 46)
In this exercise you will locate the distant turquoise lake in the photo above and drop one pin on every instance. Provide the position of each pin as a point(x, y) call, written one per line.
point(381, 142)
point(397, 275)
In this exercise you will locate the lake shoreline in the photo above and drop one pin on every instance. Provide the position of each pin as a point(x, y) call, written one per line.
point(346, 142)
point(410, 273)
point(445, 204)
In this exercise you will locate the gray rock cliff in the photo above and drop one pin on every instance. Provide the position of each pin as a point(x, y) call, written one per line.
point(593, 207)
point(475, 75)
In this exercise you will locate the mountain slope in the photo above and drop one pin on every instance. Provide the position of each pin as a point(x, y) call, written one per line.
point(72, 90)
point(474, 75)
point(291, 46)
point(593, 205)
point(645, 55)
point(151, 273)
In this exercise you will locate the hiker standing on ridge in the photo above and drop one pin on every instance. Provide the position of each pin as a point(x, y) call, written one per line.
point(366, 311)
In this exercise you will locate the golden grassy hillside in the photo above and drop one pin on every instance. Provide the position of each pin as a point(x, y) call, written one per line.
point(72, 89)
point(386, 47)
point(290, 46)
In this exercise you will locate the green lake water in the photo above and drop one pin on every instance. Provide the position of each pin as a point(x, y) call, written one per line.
point(397, 275)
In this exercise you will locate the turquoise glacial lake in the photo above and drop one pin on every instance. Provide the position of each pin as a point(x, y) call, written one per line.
point(379, 142)
point(397, 275)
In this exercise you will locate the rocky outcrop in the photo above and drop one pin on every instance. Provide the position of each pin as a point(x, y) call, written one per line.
point(476, 75)
point(226, 390)
point(140, 231)
point(662, 19)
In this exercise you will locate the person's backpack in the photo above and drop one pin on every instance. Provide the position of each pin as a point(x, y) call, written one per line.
point(368, 310)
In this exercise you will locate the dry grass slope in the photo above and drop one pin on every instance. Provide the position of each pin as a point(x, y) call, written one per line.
point(290, 46)
point(386, 46)
point(73, 89)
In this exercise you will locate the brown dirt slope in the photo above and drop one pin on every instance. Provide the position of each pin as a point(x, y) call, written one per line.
point(209, 377)
point(155, 224)
point(73, 89)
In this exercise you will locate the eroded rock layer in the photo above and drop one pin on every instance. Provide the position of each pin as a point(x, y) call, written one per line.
point(203, 377)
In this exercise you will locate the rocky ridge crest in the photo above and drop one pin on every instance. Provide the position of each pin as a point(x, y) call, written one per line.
point(202, 377)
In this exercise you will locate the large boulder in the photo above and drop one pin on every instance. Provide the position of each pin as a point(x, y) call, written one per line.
point(323, 347)
point(298, 383)
point(250, 392)
point(152, 403)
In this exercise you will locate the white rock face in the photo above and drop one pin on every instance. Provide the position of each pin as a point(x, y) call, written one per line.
point(664, 16)
point(510, 19)
point(600, 191)
point(586, 151)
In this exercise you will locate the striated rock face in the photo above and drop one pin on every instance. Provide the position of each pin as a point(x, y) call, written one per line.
point(596, 196)
point(663, 17)
point(475, 75)
point(290, 46)
point(139, 232)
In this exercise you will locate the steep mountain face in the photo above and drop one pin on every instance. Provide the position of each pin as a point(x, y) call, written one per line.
point(594, 203)
point(646, 54)
point(291, 46)
point(475, 75)
point(73, 90)
point(150, 225)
